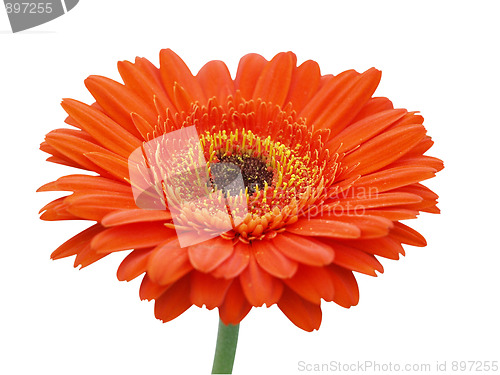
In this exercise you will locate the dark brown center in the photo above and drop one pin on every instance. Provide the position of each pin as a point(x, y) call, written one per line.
point(255, 172)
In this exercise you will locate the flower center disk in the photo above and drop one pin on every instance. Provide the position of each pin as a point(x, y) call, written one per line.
point(255, 172)
point(284, 166)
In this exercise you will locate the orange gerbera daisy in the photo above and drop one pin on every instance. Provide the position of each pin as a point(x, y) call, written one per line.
point(326, 171)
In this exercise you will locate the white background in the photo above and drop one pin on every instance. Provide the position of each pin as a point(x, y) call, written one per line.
point(439, 303)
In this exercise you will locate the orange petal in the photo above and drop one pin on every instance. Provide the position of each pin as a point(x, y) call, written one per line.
point(83, 182)
point(119, 101)
point(95, 206)
point(384, 246)
point(330, 87)
point(374, 105)
point(215, 79)
point(407, 235)
point(431, 209)
point(131, 236)
point(312, 284)
point(174, 301)
point(411, 118)
point(114, 165)
point(421, 147)
point(144, 128)
point(74, 148)
point(429, 198)
point(57, 210)
point(208, 290)
point(86, 257)
point(134, 216)
point(272, 260)
point(304, 250)
point(359, 205)
point(77, 243)
point(174, 70)
point(384, 149)
point(133, 265)
point(168, 262)
point(107, 132)
point(425, 206)
point(324, 228)
point(78, 133)
point(182, 98)
point(392, 178)
point(345, 285)
point(58, 157)
point(259, 286)
point(302, 313)
point(206, 256)
point(369, 226)
point(419, 189)
point(327, 78)
point(144, 79)
point(249, 69)
point(274, 81)
point(393, 214)
point(304, 84)
point(344, 106)
point(72, 122)
point(150, 290)
point(64, 161)
point(423, 161)
point(365, 129)
point(235, 263)
point(356, 260)
point(235, 306)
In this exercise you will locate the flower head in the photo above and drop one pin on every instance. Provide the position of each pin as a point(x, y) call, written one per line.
point(270, 188)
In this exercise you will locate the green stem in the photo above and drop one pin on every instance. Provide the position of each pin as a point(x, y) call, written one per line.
point(225, 349)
